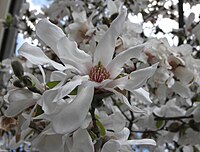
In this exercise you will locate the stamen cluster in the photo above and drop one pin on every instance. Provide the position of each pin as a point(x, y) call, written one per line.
point(98, 73)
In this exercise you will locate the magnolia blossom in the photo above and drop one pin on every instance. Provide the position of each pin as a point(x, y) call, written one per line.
point(92, 73)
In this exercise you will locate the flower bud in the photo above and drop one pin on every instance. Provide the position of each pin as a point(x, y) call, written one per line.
point(27, 81)
point(17, 69)
point(18, 84)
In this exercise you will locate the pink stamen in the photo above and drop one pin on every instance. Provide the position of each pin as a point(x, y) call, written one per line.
point(99, 73)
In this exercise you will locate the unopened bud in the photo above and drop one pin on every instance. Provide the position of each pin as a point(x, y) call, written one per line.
point(27, 81)
point(18, 84)
point(17, 69)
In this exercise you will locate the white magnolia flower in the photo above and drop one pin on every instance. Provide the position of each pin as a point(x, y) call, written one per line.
point(100, 72)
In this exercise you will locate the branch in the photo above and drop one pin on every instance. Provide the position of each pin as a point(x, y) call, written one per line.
point(180, 19)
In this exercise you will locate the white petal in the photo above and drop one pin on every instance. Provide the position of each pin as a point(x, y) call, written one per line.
point(123, 134)
point(70, 54)
point(72, 116)
point(19, 99)
point(49, 33)
point(36, 56)
point(115, 66)
point(111, 7)
point(115, 122)
point(111, 146)
point(138, 78)
point(105, 48)
point(28, 118)
point(181, 89)
point(139, 142)
point(49, 143)
point(142, 94)
point(57, 76)
point(82, 141)
point(196, 113)
point(125, 101)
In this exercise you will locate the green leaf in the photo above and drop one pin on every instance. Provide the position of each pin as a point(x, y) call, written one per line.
point(195, 149)
point(159, 123)
point(52, 84)
point(8, 20)
point(38, 110)
point(74, 92)
point(101, 128)
point(196, 98)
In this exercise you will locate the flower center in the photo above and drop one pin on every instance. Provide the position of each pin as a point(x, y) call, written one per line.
point(98, 73)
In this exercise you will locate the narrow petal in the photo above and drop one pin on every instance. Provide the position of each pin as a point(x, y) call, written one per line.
point(139, 142)
point(115, 66)
point(72, 115)
point(125, 101)
point(49, 33)
point(36, 56)
point(105, 48)
point(19, 100)
point(70, 54)
point(138, 78)
point(82, 141)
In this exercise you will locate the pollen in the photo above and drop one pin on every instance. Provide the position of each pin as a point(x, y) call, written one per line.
point(98, 73)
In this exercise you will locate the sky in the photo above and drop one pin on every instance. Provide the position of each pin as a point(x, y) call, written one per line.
point(34, 4)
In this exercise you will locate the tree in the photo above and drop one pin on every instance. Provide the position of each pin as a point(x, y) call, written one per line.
point(97, 82)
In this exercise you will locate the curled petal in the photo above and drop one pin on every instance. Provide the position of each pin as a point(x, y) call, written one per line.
point(49, 33)
point(53, 97)
point(138, 78)
point(36, 56)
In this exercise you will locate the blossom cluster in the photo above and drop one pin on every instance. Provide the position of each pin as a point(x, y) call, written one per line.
point(100, 86)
